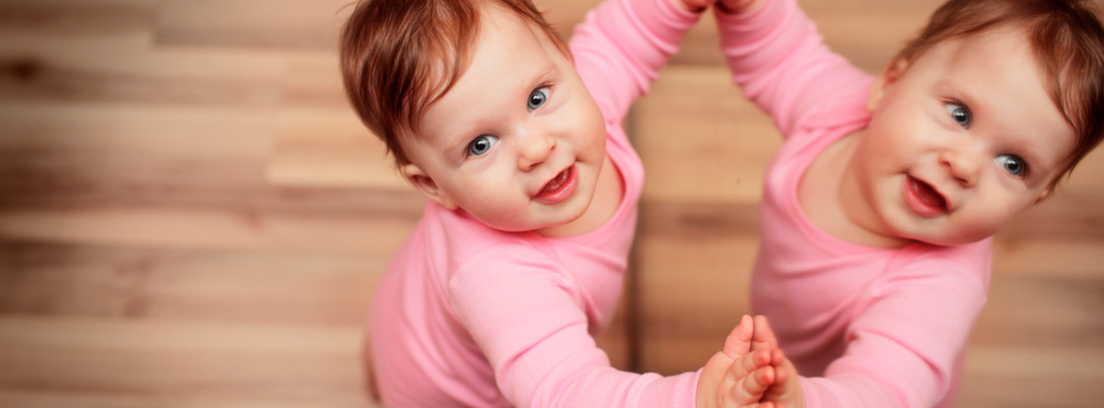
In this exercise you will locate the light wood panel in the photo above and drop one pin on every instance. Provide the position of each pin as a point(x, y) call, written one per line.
point(76, 361)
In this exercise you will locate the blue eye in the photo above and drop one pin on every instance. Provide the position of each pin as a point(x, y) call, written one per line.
point(959, 114)
point(1013, 164)
point(481, 145)
point(538, 97)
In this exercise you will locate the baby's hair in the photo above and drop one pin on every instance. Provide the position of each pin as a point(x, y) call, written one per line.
point(1067, 39)
point(399, 56)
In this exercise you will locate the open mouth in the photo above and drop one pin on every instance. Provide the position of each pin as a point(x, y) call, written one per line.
point(557, 182)
point(923, 198)
point(559, 188)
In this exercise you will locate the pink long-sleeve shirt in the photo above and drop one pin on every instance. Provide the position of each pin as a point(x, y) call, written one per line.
point(466, 315)
point(866, 327)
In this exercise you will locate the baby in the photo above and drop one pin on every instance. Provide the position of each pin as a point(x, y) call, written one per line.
point(879, 209)
point(515, 139)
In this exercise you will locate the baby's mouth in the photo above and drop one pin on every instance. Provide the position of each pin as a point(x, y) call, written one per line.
point(557, 182)
point(927, 194)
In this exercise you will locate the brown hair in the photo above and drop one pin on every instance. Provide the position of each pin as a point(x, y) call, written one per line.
point(1067, 39)
point(400, 56)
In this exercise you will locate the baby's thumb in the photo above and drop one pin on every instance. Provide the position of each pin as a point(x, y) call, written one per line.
point(738, 342)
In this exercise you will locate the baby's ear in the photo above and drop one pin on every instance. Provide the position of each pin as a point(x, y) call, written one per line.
point(888, 77)
point(425, 184)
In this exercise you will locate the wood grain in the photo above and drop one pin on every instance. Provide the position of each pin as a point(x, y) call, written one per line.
point(191, 215)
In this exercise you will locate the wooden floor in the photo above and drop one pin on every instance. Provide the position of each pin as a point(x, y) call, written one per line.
point(191, 216)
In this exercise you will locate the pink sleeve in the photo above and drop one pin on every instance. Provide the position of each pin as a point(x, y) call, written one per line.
point(903, 346)
point(622, 44)
point(781, 63)
point(528, 319)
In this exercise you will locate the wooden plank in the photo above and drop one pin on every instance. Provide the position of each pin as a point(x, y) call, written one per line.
point(1022, 377)
point(694, 265)
point(700, 139)
point(1047, 312)
point(313, 79)
point(69, 72)
point(98, 361)
point(208, 285)
point(106, 24)
point(1048, 256)
point(847, 26)
point(264, 24)
point(245, 229)
point(206, 132)
point(330, 148)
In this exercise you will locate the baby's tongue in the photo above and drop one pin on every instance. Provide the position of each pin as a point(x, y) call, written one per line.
point(928, 195)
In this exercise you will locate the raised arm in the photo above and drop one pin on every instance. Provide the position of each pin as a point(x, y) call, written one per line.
point(780, 61)
point(622, 44)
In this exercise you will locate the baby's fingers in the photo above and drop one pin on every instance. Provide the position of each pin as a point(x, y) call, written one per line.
point(753, 361)
point(753, 378)
point(755, 385)
point(764, 337)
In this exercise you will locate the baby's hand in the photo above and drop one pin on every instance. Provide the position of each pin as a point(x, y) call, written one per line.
point(785, 390)
point(735, 377)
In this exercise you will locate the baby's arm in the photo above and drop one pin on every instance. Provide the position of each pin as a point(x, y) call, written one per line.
point(735, 377)
point(901, 350)
point(781, 63)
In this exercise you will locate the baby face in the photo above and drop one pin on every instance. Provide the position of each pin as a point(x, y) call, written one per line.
point(518, 141)
point(962, 140)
